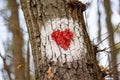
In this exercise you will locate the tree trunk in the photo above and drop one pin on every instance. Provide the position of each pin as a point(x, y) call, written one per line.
point(61, 47)
point(111, 39)
point(17, 42)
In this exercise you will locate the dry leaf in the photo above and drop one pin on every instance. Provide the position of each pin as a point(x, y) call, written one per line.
point(19, 66)
point(50, 74)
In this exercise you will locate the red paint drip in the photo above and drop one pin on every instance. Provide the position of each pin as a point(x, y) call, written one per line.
point(62, 38)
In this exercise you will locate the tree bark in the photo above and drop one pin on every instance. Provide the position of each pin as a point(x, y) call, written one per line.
point(17, 42)
point(53, 62)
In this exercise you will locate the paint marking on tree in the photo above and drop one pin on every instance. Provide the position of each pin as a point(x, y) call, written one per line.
point(52, 50)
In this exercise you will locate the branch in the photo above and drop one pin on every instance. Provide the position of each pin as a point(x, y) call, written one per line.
point(6, 67)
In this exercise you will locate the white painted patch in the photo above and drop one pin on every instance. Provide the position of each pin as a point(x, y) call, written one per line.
point(52, 50)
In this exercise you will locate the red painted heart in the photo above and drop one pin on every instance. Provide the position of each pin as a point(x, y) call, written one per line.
point(62, 38)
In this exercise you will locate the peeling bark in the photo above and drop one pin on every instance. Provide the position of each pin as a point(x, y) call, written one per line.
point(51, 61)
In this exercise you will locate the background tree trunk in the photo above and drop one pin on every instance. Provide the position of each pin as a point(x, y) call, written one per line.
point(51, 61)
point(111, 39)
point(17, 42)
point(99, 22)
point(28, 62)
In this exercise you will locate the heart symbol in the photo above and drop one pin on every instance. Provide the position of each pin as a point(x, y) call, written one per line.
point(62, 38)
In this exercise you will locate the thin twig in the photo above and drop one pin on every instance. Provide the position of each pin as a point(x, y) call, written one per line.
point(113, 45)
point(109, 34)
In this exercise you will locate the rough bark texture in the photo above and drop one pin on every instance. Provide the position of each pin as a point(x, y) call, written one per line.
point(111, 38)
point(51, 61)
point(17, 42)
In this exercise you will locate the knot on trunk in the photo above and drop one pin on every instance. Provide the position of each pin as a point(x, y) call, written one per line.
point(77, 4)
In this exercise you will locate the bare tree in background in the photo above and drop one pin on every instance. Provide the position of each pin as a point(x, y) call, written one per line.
point(28, 62)
point(6, 67)
point(99, 22)
point(17, 43)
point(111, 39)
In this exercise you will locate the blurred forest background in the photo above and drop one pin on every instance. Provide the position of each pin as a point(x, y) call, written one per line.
point(103, 24)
